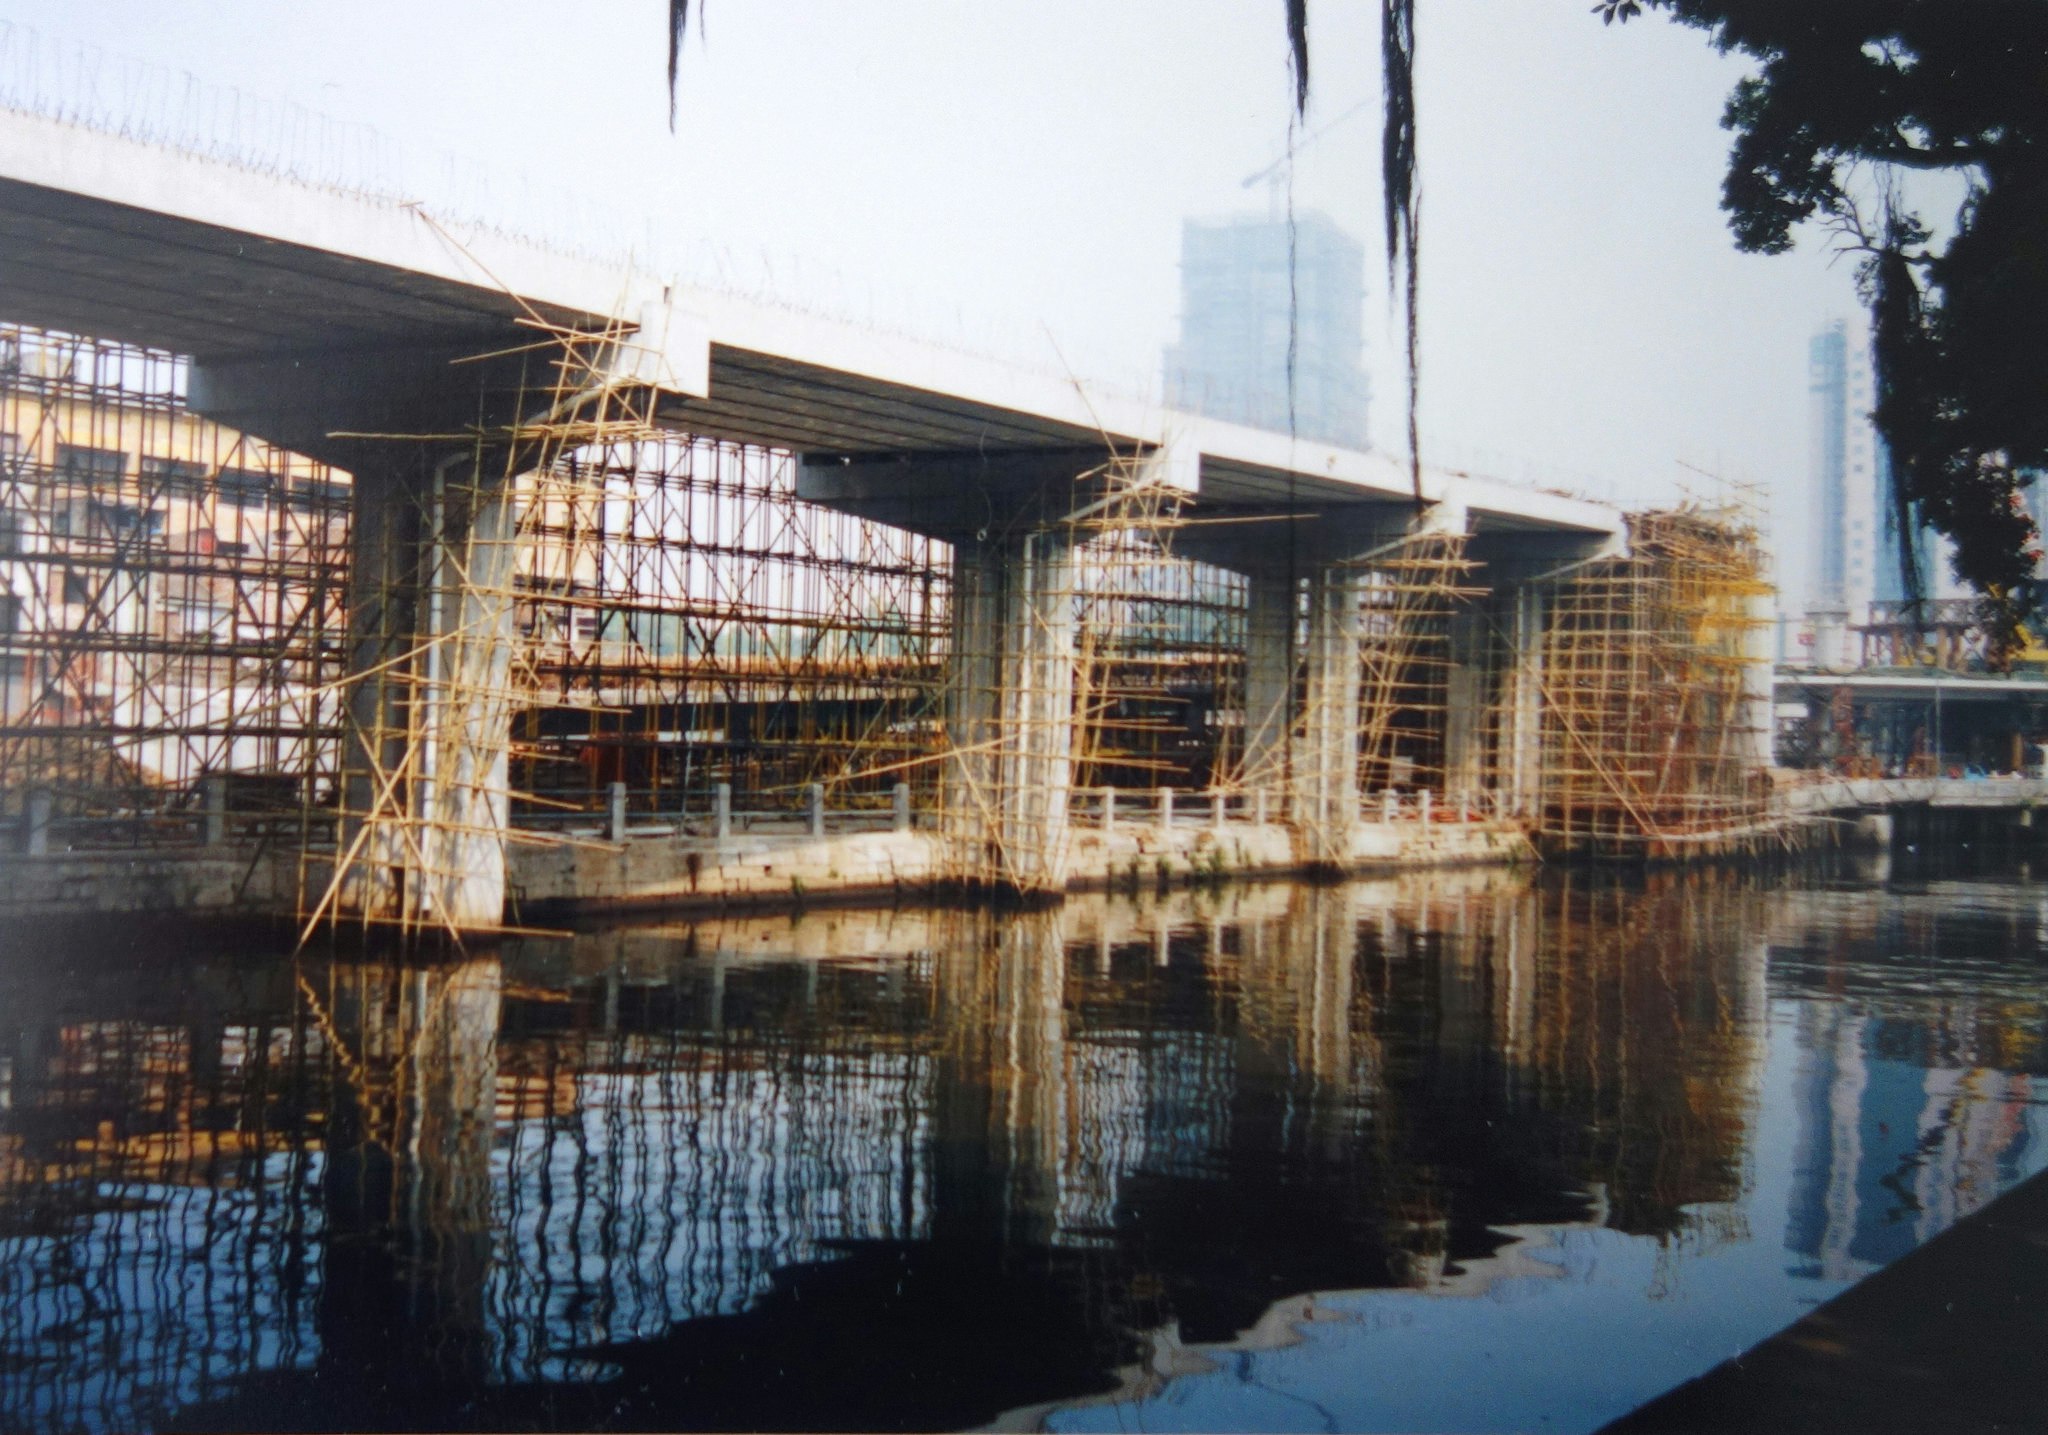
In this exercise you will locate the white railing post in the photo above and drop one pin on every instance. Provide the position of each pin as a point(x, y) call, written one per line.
point(900, 805)
point(721, 811)
point(1165, 808)
point(814, 804)
point(36, 824)
point(618, 812)
point(1108, 809)
point(213, 796)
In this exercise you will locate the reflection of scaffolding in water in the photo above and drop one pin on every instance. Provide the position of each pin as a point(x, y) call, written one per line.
point(682, 1127)
point(1650, 729)
point(156, 1178)
point(1663, 984)
point(170, 601)
point(692, 1162)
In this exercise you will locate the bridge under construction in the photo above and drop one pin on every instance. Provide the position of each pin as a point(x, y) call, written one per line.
point(363, 569)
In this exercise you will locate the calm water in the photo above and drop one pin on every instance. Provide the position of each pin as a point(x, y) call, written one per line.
point(1461, 1153)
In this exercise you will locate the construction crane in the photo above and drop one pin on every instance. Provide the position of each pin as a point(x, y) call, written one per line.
point(1274, 175)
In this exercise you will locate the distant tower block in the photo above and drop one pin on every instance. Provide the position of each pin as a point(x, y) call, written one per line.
point(1237, 293)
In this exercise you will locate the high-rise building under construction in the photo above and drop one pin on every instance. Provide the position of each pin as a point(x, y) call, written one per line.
point(1272, 336)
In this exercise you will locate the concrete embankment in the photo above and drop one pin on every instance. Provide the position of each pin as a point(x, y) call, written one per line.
point(665, 872)
point(661, 869)
point(1948, 1338)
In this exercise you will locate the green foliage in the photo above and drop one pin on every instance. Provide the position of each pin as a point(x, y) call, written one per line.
point(1849, 96)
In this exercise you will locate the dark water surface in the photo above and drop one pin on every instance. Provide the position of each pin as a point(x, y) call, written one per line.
point(1443, 1153)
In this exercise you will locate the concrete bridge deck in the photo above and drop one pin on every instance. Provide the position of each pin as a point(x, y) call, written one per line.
point(245, 271)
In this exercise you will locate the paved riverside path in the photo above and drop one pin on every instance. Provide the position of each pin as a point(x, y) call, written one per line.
point(1952, 1337)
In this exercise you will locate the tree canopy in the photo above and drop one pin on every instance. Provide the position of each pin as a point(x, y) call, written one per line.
point(1850, 98)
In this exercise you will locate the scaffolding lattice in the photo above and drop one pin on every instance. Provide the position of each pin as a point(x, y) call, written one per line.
point(686, 620)
point(570, 602)
point(171, 603)
point(1651, 733)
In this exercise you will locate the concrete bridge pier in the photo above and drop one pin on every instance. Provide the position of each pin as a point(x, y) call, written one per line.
point(424, 790)
point(1303, 668)
point(1301, 702)
point(1009, 716)
point(1465, 709)
point(1521, 713)
point(424, 802)
point(1007, 782)
point(1517, 566)
point(1324, 801)
point(1272, 608)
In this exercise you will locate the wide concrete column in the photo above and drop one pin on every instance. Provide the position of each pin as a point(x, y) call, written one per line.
point(1521, 735)
point(1465, 683)
point(973, 717)
point(467, 648)
point(1302, 696)
point(425, 795)
point(1009, 716)
point(383, 623)
point(1014, 521)
point(1270, 662)
point(1323, 802)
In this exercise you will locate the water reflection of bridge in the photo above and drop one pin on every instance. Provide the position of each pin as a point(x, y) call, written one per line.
point(696, 1175)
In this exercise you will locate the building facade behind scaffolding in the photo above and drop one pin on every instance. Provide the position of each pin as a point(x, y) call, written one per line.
point(171, 600)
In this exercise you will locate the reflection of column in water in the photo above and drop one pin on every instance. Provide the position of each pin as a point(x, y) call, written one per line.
point(1517, 923)
point(1643, 1050)
point(1322, 947)
point(408, 1167)
point(1028, 1079)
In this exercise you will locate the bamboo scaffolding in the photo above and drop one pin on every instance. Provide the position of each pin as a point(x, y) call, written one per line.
point(171, 597)
point(1649, 741)
point(600, 603)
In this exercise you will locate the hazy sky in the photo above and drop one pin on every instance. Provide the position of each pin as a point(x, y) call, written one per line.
point(1012, 175)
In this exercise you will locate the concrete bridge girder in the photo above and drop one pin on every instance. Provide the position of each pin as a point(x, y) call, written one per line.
point(982, 497)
